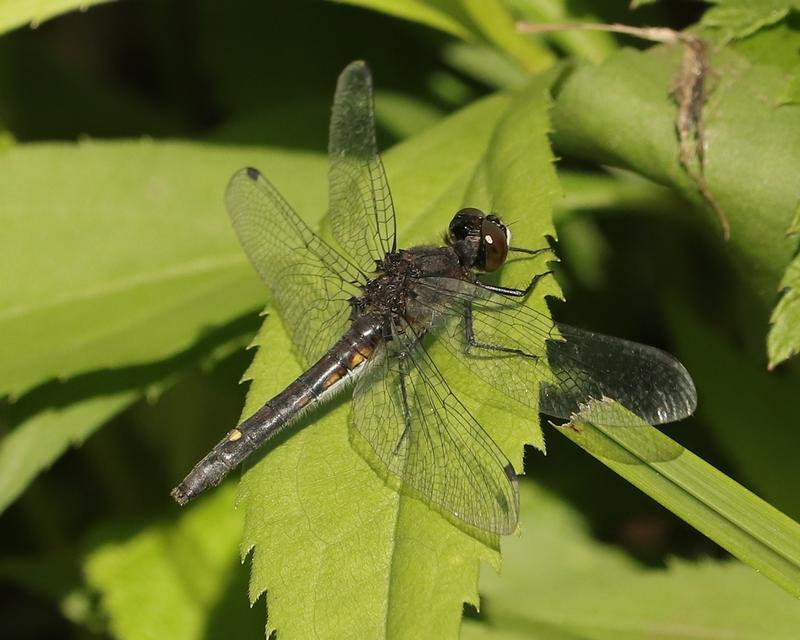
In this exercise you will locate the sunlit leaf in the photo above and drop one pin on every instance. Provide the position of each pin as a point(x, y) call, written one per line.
point(485, 64)
point(794, 227)
point(791, 92)
point(15, 13)
point(496, 23)
point(121, 253)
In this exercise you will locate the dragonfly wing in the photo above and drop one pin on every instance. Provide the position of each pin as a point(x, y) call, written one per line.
point(310, 282)
point(552, 367)
point(361, 211)
point(418, 430)
point(647, 381)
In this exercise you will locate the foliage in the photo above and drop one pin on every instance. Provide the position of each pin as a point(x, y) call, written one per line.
point(559, 583)
point(784, 336)
point(126, 302)
point(744, 524)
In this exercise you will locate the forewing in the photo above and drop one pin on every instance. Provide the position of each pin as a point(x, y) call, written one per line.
point(361, 210)
point(309, 281)
point(552, 367)
point(420, 432)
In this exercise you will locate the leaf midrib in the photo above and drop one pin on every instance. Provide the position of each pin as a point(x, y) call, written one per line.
point(175, 272)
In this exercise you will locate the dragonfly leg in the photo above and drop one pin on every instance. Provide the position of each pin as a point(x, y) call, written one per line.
point(404, 398)
point(478, 344)
point(532, 252)
point(511, 291)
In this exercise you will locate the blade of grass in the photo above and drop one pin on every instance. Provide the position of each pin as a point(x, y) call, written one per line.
point(736, 519)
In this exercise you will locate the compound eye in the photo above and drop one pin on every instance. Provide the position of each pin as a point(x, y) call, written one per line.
point(465, 223)
point(494, 242)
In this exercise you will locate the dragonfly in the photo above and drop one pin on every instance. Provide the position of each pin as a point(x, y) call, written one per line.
point(363, 313)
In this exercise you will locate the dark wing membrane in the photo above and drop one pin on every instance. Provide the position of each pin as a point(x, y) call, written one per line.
point(361, 210)
point(647, 381)
point(418, 430)
point(310, 282)
point(523, 354)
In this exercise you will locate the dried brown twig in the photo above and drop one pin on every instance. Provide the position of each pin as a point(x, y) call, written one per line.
point(689, 92)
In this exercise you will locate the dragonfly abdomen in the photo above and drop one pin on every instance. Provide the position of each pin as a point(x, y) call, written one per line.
point(332, 372)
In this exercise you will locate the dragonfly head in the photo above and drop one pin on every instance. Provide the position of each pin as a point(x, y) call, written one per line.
point(480, 240)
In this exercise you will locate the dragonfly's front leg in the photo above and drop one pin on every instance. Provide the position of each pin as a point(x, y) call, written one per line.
point(531, 252)
point(474, 342)
point(511, 291)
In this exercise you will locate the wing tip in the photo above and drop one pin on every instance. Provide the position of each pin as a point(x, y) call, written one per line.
point(357, 66)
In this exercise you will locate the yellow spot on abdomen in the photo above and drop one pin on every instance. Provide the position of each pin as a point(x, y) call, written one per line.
point(358, 357)
point(235, 435)
point(332, 378)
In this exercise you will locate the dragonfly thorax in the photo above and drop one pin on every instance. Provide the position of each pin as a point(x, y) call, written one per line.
point(387, 293)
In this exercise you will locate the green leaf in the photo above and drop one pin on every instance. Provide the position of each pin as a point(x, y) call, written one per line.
point(36, 443)
point(15, 13)
point(121, 253)
point(49, 420)
point(179, 579)
point(402, 115)
point(495, 22)
point(776, 46)
point(784, 335)
point(794, 227)
point(621, 113)
point(485, 64)
point(444, 15)
point(560, 582)
point(791, 93)
point(615, 190)
point(736, 19)
point(752, 530)
point(313, 507)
